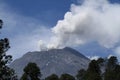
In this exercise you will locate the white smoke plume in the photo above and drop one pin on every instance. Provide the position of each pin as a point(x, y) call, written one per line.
point(94, 20)
point(42, 45)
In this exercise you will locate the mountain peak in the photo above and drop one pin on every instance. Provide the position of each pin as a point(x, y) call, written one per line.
point(58, 61)
point(67, 48)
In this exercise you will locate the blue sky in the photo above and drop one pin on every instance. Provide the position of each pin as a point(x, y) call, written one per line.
point(29, 20)
point(43, 10)
point(26, 22)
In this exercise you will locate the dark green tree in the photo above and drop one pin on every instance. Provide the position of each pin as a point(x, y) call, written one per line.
point(109, 75)
point(24, 77)
point(112, 62)
point(67, 77)
point(117, 72)
point(80, 75)
point(52, 77)
point(1, 23)
point(93, 72)
point(100, 61)
point(6, 73)
point(31, 72)
point(112, 69)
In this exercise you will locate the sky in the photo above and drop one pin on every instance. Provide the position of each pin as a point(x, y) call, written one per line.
point(89, 26)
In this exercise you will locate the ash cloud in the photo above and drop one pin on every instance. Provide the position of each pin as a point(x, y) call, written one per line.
point(93, 20)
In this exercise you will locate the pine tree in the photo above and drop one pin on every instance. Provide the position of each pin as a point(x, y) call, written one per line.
point(100, 61)
point(6, 73)
point(31, 72)
point(117, 72)
point(112, 62)
point(112, 69)
point(80, 75)
point(67, 77)
point(52, 77)
point(93, 72)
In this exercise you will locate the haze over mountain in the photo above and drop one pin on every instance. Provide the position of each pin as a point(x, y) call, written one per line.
point(58, 61)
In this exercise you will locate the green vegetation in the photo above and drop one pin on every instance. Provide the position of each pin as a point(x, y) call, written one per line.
point(101, 69)
point(52, 77)
point(80, 75)
point(6, 73)
point(113, 69)
point(31, 72)
point(66, 77)
point(93, 72)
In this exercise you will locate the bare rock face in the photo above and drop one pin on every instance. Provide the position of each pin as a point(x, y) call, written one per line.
point(58, 61)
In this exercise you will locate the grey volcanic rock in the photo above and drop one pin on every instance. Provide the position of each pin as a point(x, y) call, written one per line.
point(58, 61)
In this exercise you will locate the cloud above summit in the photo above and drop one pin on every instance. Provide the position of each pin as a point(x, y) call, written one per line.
point(93, 20)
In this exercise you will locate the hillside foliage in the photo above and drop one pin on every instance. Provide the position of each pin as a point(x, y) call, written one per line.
point(6, 73)
point(101, 69)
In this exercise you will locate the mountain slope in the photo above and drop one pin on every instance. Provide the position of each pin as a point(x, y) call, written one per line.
point(58, 61)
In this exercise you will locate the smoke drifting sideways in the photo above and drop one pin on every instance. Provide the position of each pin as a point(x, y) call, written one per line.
point(93, 20)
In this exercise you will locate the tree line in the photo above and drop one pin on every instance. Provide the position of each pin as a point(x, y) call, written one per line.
point(101, 69)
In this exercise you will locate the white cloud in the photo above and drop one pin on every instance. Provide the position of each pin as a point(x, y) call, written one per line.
point(24, 32)
point(94, 20)
point(24, 43)
point(110, 56)
point(42, 45)
point(93, 57)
